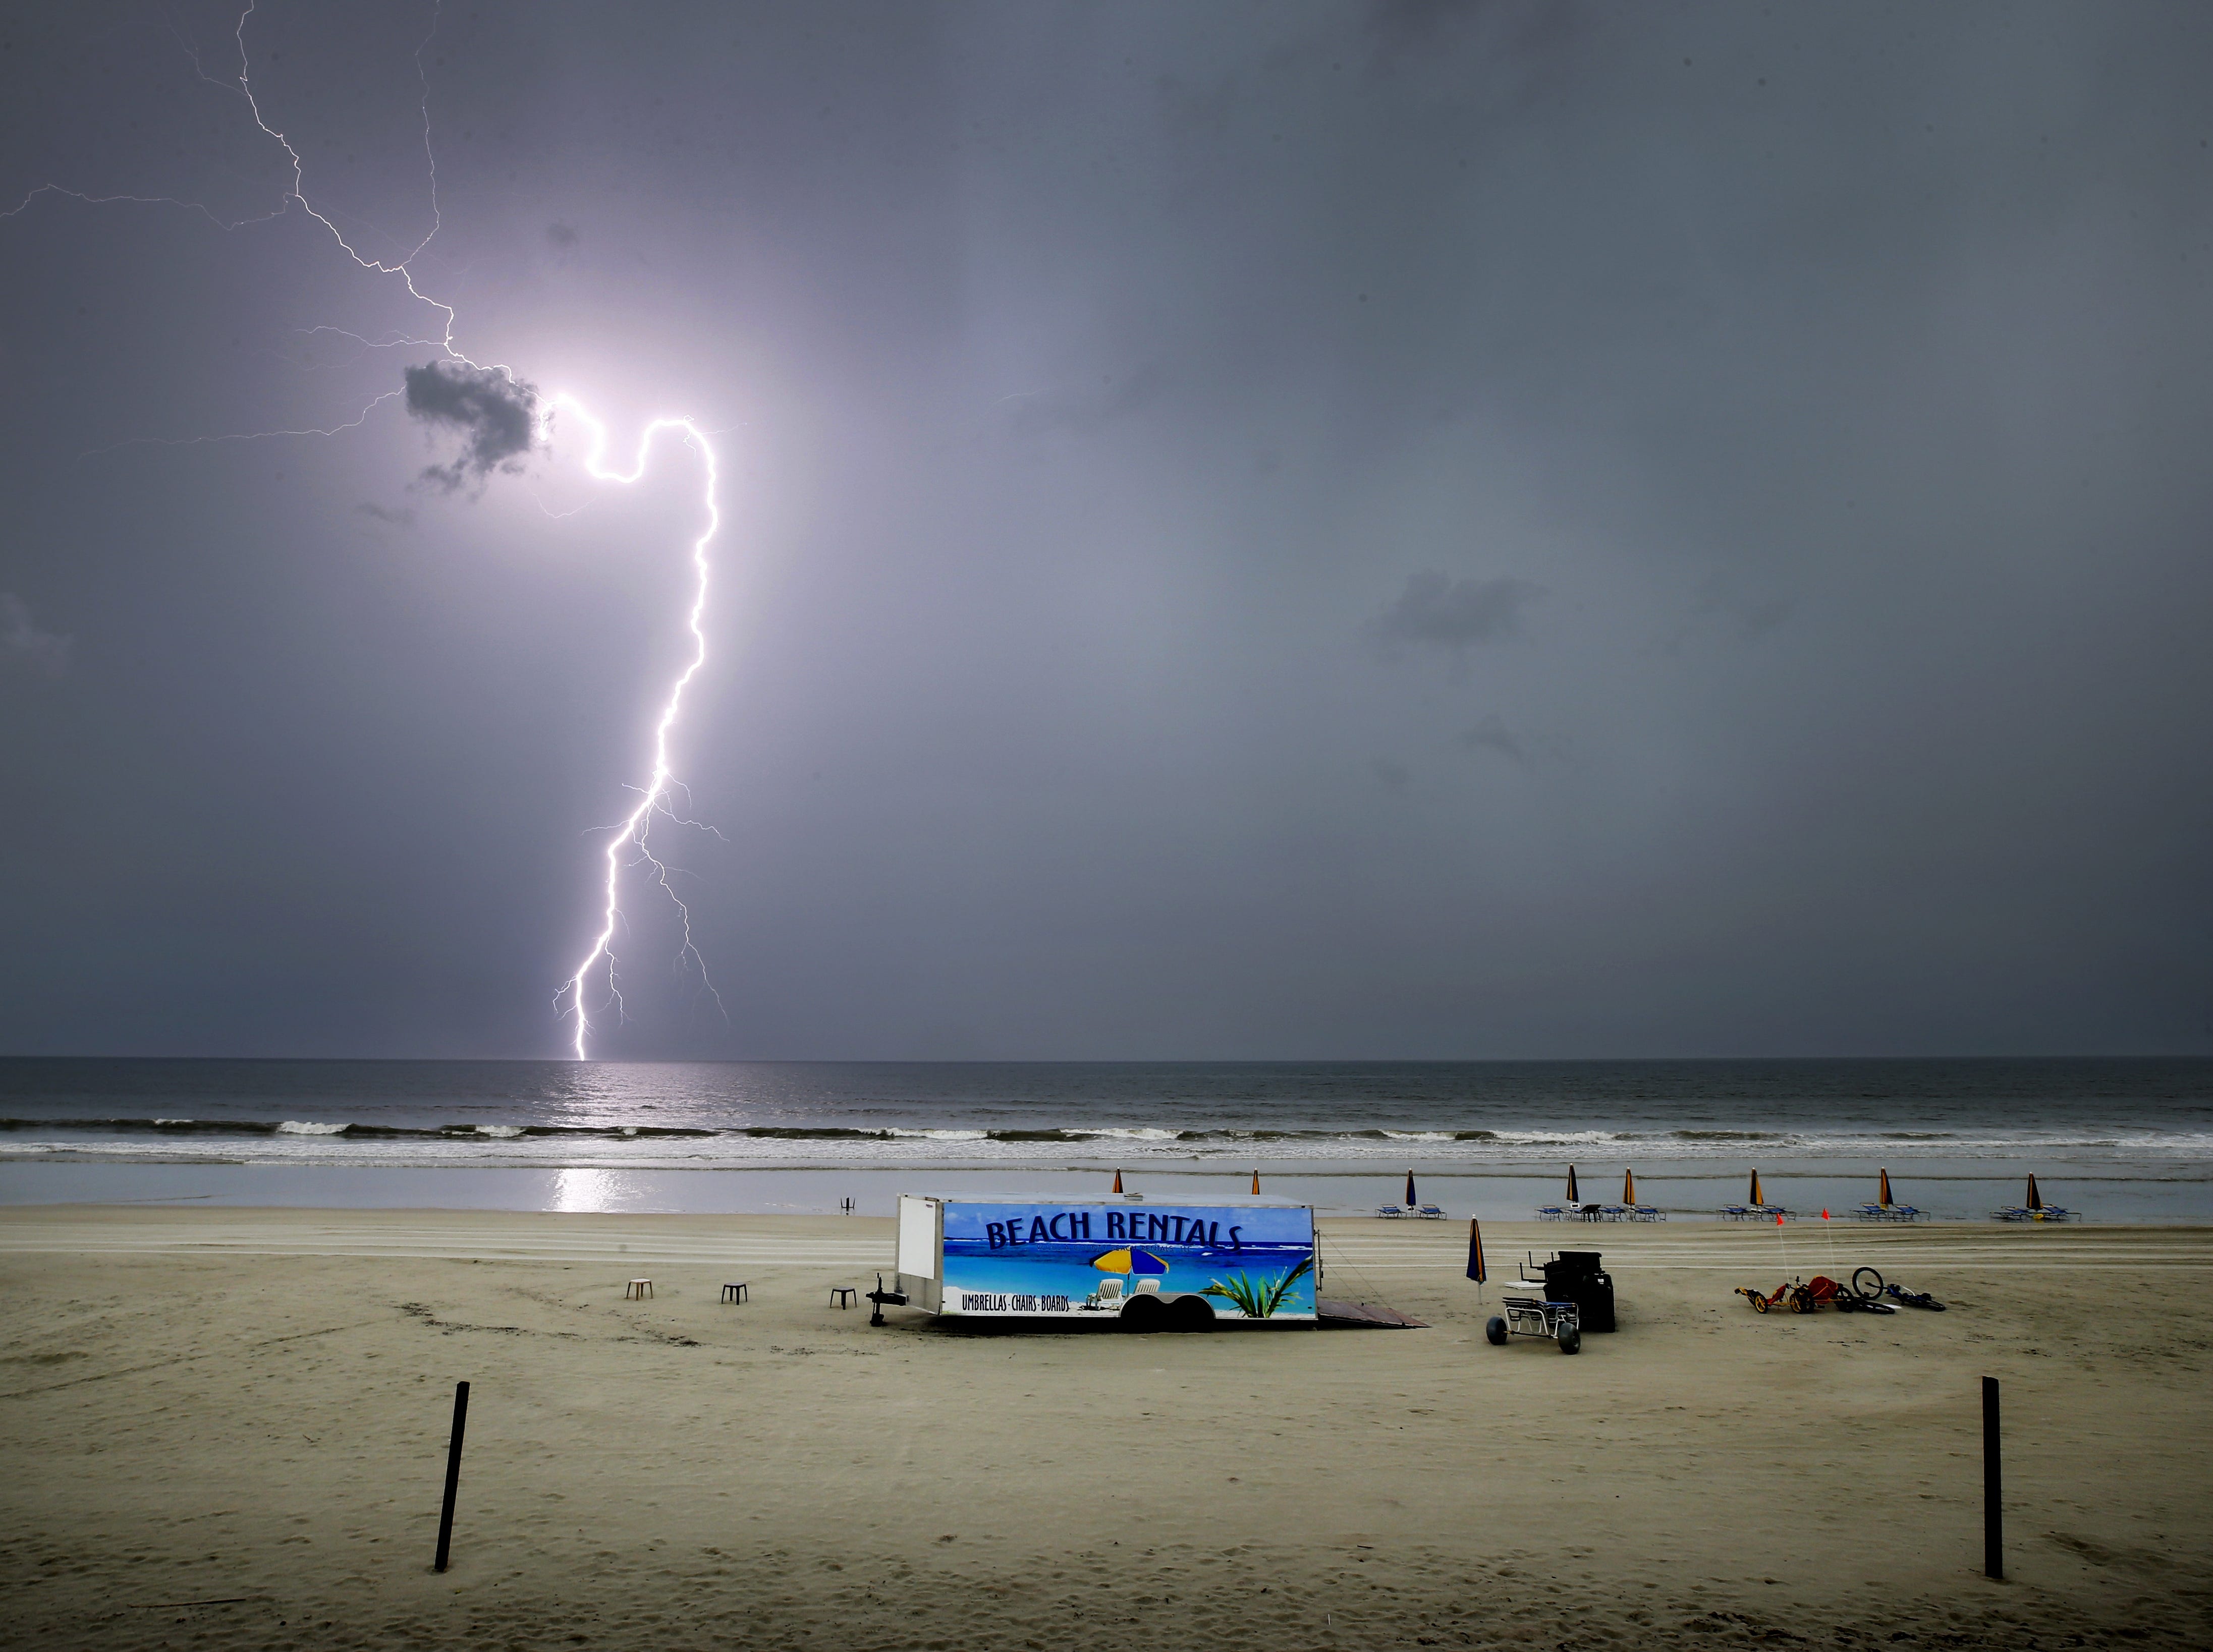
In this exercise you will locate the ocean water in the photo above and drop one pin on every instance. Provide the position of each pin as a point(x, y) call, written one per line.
point(2118, 1139)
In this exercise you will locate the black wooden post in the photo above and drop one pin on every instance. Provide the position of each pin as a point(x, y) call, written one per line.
point(452, 1473)
point(1993, 1505)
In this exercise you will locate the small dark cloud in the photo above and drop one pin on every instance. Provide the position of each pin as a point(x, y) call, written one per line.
point(1454, 614)
point(1390, 774)
point(561, 236)
point(1725, 609)
point(25, 647)
point(497, 416)
point(390, 517)
point(1492, 735)
point(1090, 410)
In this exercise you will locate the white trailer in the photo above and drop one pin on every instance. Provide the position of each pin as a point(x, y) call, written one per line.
point(1123, 1258)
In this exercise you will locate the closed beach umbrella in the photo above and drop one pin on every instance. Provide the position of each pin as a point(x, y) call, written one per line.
point(1753, 1196)
point(1256, 1181)
point(1628, 1187)
point(1882, 1196)
point(1411, 1200)
point(1118, 1181)
point(1574, 1198)
point(1475, 1268)
point(2034, 1203)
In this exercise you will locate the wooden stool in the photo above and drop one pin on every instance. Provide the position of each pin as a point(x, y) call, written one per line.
point(841, 1296)
point(638, 1289)
point(735, 1292)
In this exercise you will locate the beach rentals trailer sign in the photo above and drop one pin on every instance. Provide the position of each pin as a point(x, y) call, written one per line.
point(1118, 1258)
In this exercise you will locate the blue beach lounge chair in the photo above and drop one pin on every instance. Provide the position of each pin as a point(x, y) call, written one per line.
point(1885, 1209)
point(1754, 1208)
point(2033, 1209)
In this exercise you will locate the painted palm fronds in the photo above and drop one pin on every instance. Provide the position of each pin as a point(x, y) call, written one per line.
point(1258, 1299)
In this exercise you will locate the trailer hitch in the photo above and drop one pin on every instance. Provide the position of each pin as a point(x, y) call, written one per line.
point(882, 1298)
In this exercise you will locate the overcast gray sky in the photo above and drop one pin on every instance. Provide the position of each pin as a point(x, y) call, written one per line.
point(1272, 530)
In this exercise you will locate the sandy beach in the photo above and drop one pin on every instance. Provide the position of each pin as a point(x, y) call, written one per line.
point(227, 1428)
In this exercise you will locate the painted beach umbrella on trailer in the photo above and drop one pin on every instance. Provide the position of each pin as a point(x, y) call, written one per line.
point(1753, 1196)
point(1118, 1181)
point(1411, 1200)
point(1127, 1260)
point(2034, 1202)
point(1882, 1195)
point(1628, 1187)
point(1574, 1198)
point(1476, 1270)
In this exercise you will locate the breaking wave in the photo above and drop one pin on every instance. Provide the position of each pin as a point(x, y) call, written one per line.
point(167, 1138)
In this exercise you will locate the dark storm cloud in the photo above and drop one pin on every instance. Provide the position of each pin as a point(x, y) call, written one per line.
point(1454, 614)
point(496, 415)
point(1492, 735)
point(1089, 410)
point(1094, 378)
point(26, 646)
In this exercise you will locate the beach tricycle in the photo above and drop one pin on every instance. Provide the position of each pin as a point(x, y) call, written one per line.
point(1533, 1316)
point(1863, 1295)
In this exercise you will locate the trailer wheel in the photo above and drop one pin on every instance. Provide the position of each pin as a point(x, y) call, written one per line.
point(1190, 1314)
point(1495, 1332)
point(1570, 1339)
point(1870, 1290)
point(1142, 1313)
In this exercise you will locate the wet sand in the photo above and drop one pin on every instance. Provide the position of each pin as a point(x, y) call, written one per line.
point(227, 1429)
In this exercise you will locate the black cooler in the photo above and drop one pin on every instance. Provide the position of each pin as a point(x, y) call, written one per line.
point(1576, 1277)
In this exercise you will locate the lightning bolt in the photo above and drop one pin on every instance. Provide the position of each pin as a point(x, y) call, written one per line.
point(657, 795)
point(629, 842)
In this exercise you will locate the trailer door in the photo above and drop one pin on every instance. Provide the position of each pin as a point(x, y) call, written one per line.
point(918, 1227)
